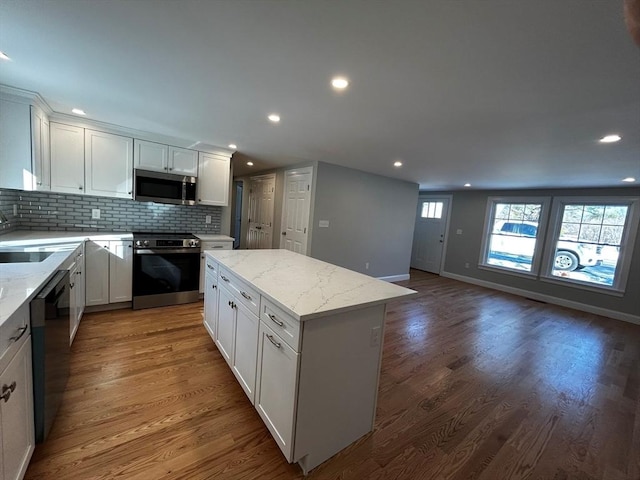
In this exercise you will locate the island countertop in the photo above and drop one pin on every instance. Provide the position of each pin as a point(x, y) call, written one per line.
point(303, 286)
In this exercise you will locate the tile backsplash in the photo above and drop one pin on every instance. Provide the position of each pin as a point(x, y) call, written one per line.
point(58, 211)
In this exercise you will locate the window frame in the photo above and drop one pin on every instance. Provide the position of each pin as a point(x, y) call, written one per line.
point(627, 242)
point(489, 220)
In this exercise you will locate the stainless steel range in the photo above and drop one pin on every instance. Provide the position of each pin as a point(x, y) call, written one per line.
point(166, 269)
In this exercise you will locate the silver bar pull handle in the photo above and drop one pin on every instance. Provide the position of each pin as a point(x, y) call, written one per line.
point(224, 278)
point(245, 295)
point(21, 331)
point(270, 337)
point(275, 320)
point(209, 267)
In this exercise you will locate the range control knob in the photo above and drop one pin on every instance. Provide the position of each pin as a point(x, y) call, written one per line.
point(138, 243)
point(194, 243)
point(146, 243)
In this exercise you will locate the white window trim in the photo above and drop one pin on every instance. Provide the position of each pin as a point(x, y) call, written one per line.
point(542, 227)
point(626, 245)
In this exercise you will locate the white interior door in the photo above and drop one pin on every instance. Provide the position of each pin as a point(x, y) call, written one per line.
point(429, 233)
point(295, 210)
point(260, 225)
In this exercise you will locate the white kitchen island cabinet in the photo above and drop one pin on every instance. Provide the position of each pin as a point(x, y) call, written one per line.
point(317, 346)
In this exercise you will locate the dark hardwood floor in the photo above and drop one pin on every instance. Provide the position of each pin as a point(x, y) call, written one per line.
point(475, 384)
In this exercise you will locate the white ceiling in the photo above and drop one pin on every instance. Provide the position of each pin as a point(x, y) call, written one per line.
point(498, 93)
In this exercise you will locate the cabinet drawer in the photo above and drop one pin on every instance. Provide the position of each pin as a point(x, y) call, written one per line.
point(12, 332)
point(287, 327)
point(212, 245)
point(244, 293)
point(211, 267)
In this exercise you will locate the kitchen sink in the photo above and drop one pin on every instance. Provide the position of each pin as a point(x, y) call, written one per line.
point(24, 257)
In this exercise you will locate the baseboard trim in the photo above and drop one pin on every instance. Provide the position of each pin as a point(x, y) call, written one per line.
point(395, 278)
point(625, 317)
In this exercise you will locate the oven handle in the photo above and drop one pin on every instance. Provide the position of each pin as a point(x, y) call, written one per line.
point(151, 251)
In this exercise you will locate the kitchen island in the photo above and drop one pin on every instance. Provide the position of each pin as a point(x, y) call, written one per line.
point(304, 339)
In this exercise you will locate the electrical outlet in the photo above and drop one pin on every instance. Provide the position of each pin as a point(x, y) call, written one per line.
point(366, 266)
point(466, 265)
point(375, 336)
point(95, 214)
point(207, 219)
point(459, 231)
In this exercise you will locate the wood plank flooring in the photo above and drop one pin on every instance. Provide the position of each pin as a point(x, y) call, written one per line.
point(475, 384)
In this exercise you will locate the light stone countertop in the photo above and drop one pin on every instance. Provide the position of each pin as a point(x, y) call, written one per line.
point(20, 282)
point(303, 286)
point(211, 237)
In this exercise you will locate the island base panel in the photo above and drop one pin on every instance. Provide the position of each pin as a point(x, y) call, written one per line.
point(338, 383)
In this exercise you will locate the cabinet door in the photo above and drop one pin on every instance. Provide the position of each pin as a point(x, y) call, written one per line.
point(96, 273)
point(16, 414)
point(211, 305)
point(226, 324)
point(73, 302)
point(150, 156)
point(213, 179)
point(40, 158)
point(245, 349)
point(276, 387)
point(109, 164)
point(183, 161)
point(120, 271)
point(67, 158)
point(15, 145)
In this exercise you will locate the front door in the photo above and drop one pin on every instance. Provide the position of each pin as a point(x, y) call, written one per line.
point(260, 226)
point(429, 233)
point(295, 211)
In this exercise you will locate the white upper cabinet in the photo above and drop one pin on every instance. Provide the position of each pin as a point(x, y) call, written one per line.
point(15, 145)
point(213, 179)
point(150, 155)
point(183, 161)
point(67, 158)
point(109, 164)
point(40, 157)
point(163, 158)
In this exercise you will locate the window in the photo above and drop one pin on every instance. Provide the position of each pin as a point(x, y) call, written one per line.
point(511, 233)
point(431, 210)
point(592, 241)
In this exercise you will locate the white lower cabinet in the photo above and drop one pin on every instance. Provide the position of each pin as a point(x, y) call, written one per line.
point(276, 386)
point(226, 327)
point(245, 349)
point(211, 300)
point(211, 245)
point(109, 271)
point(16, 402)
point(77, 295)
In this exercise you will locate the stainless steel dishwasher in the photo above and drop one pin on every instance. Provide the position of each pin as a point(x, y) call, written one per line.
point(50, 321)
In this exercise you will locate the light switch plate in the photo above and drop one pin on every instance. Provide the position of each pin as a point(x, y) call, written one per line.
point(323, 223)
point(95, 213)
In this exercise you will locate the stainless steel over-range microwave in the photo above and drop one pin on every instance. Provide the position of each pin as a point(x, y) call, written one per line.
point(164, 188)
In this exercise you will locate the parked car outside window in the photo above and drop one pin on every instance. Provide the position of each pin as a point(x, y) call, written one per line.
point(519, 238)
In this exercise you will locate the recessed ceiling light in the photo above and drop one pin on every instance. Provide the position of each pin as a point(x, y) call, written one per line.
point(340, 83)
point(250, 164)
point(233, 146)
point(467, 184)
point(78, 111)
point(629, 179)
point(4, 56)
point(610, 139)
point(397, 164)
point(274, 118)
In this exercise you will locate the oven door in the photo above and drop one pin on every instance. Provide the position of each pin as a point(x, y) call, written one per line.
point(165, 277)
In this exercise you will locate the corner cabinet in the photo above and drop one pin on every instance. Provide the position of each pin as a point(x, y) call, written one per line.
point(17, 438)
point(40, 156)
point(214, 170)
point(109, 164)
point(109, 271)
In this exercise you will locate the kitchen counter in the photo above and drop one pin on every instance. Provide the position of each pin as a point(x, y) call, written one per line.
point(210, 237)
point(20, 282)
point(304, 287)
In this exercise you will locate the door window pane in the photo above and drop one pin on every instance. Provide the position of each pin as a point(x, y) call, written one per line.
point(431, 210)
